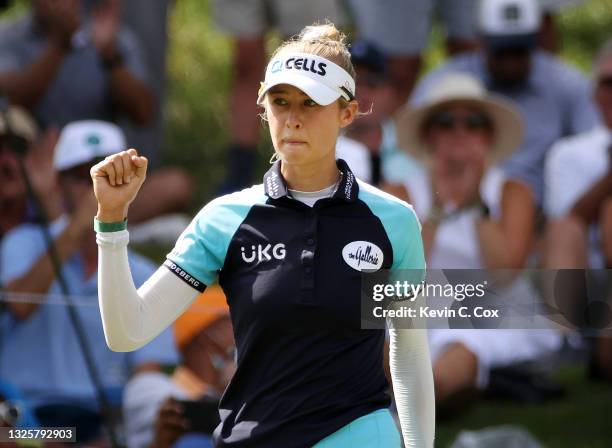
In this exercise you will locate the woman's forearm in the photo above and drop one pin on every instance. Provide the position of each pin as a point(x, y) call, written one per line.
point(131, 317)
point(413, 385)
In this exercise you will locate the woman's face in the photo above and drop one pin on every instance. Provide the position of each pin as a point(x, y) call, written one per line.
point(459, 134)
point(304, 132)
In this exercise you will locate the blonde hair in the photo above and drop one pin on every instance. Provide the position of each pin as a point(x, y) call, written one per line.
point(323, 40)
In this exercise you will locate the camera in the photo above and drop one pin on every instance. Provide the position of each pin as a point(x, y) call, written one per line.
point(9, 413)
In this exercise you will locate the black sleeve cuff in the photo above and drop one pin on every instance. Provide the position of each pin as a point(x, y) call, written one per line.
point(183, 275)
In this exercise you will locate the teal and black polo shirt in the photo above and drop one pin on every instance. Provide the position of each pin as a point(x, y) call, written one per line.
point(291, 274)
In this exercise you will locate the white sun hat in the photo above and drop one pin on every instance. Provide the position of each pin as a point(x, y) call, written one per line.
point(83, 141)
point(463, 88)
point(318, 77)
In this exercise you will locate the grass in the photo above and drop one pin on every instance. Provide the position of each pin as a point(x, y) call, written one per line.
point(581, 420)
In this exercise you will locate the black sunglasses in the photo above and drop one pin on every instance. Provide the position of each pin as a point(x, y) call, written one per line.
point(510, 52)
point(474, 121)
point(605, 82)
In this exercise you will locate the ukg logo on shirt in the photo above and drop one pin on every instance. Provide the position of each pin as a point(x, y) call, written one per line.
point(262, 252)
point(363, 256)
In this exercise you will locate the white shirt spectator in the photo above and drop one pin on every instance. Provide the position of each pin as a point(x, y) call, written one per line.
point(573, 166)
point(357, 157)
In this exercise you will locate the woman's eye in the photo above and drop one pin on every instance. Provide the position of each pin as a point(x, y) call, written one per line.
point(310, 103)
point(280, 101)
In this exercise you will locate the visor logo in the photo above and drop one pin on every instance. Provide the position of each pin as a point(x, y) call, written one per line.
point(363, 256)
point(277, 67)
point(305, 64)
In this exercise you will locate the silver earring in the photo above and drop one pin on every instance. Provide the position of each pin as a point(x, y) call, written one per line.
point(274, 158)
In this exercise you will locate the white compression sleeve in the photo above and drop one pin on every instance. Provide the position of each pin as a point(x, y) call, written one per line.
point(130, 317)
point(413, 388)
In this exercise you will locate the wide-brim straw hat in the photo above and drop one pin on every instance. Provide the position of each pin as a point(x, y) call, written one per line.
point(463, 88)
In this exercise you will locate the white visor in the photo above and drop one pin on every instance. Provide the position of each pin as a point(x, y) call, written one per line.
point(317, 77)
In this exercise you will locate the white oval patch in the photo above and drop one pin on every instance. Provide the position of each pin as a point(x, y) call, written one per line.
point(363, 256)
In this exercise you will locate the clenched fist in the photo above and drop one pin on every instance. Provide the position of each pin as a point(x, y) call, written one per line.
point(116, 182)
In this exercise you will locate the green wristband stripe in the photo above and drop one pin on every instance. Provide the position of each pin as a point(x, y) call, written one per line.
point(100, 226)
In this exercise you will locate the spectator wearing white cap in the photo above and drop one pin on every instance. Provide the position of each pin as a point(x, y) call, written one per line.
point(84, 141)
point(40, 353)
point(510, 65)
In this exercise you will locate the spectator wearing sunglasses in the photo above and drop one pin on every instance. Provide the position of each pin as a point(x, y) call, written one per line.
point(578, 199)
point(460, 133)
point(552, 97)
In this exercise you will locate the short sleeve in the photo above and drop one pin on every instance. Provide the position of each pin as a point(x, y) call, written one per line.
point(572, 167)
point(410, 252)
point(200, 251)
point(22, 246)
point(133, 54)
point(10, 44)
point(8, 62)
point(581, 112)
point(558, 199)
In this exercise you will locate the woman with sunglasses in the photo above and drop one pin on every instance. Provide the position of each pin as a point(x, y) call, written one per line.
point(289, 254)
point(474, 217)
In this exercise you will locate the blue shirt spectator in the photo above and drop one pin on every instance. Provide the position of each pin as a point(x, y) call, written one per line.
point(41, 355)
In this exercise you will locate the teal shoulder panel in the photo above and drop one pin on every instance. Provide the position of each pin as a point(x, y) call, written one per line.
point(200, 250)
point(401, 225)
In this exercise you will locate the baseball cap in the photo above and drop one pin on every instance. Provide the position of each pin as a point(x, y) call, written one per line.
point(318, 77)
point(509, 23)
point(83, 141)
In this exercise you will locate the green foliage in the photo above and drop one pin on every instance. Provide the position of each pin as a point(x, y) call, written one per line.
point(584, 29)
point(197, 104)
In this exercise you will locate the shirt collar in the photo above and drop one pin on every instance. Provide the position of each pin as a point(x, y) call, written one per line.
point(275, 185)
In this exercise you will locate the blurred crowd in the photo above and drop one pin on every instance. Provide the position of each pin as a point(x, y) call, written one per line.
point(504, 150)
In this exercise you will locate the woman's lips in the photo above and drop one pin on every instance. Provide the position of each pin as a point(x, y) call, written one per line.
point(294, 142)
